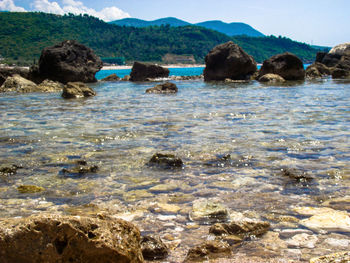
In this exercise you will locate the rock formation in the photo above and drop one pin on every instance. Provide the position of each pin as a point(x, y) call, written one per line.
point(143, 71)
point(228, 61)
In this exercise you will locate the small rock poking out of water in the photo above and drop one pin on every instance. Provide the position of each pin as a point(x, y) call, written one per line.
point(341, 257)
point(9, 170)
point(30, 189)
point(153, 248)
point(165, 161)
point(56, 238)
point(208, 212)
point(143, 71)
point(208, 250)
point(80, 168)
point(271, 78)
point(164, 88)
point(240, 226)
point(77, 90)
point(228, 161)
point(298, 176)
point(112, 77)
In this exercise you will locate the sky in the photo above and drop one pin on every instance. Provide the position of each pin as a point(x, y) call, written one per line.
point(317, 22)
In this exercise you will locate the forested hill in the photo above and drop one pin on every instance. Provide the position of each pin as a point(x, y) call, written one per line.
point(24, 35)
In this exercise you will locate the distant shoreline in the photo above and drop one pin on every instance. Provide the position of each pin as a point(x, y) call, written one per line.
point(165, 66)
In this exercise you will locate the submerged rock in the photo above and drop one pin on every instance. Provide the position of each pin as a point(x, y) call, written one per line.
point(81, 168)
point(142, 71)
point(271, 78)
point(55, 238)
point(30, 189)
point(16, 83)
point(164, 88)
point(302, 240)
point(68, 61)
point(165, 161)
point(286, 65)
point(340, 257)
point(77, 90)
point(208, 250)
point(8, 170)
point(228, 61)
point(296, 175)
point(112, 77)
point(153, 248)
point(208, 212)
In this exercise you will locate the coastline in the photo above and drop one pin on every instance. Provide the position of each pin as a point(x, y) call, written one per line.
point(165, 66)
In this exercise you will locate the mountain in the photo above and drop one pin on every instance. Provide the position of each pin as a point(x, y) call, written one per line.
point(232, 29)
point(172, 21)
point(24, 34)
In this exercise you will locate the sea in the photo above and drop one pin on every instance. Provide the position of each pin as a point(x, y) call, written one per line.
point(265, 151)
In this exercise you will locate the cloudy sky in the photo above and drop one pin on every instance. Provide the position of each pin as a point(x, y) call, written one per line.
point(318, 22)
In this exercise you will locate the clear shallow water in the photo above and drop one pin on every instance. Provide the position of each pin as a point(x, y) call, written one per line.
point(264, 128)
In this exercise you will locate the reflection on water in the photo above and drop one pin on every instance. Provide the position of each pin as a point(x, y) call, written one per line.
point(263, 129)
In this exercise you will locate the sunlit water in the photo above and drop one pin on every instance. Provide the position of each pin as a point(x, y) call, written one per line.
point(305, 126)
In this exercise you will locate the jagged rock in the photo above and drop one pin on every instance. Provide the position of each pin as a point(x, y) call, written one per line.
point(271, 78)
point(296, 175)
point(112, 77)
point(164, 88)
point(68, 61)
point(77, 90)
point(81, 167)
point(143, 71)
point(55, 238)
point(165, 161)
point(16, 83)
point(208, 212)
point(342, 68)
point(6, 72)
point(228, 61)
point(30, 189)
point(208, 250)
point(286, 65)
point(340, 257)
point(240, 226)
point(50, 86)
point(153, 248)
point(317, 70)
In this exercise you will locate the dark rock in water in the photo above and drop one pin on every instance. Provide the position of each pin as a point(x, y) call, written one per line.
point(332, 58)
point(143, 71)
point(6, 72)
point(81, 168)
point(164, 88)
point(208, 250)
point(68, 61)
point(56, 238)
point(228, 161)
point(296, 175)
point(242, 227)
point(342, 69)
point(9, 170)
point(286, 65)
point(153, 248)
point(317, 70)
point(112, 77)
point(77, 90)
point(165, 161)
point(271, 78)
point(320, 56)
point(228, 61)
point(30, 189)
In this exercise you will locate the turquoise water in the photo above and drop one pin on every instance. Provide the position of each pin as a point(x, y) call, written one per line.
point(303, 126)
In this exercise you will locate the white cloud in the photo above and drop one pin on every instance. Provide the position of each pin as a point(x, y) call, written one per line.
point(77, 7)
point(9, 5)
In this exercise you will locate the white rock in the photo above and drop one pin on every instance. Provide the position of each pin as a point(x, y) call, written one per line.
point(341, 49)
point(337, 242)
point(302, 241)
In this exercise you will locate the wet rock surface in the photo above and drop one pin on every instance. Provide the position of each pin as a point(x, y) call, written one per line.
point(30, 189)
point(142, 71)
point(228, 61)
point(55, 238)
point(164, 88)
point(208, 212)
point(50, 86)
point(80, 168)
point(271, 78)
point(296, 175)
point(165, 160)
point(317, 70)
point(16, 83)
point(9, 169)
point(340, 257)
point(68, 61)
point(286, 65)
point(112, 77)
point(208, 250)
point(153, 248)
point(73, 90)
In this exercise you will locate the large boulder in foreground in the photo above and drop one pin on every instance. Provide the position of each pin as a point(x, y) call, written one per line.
point(228, 61)
point(55, 238)
point(286, 65)
point(68, 61)
point(75, 90)
point(143, 71)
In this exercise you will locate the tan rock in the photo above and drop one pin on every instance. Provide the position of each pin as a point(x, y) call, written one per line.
point(271, 78)
point(77, 90)
point(55, 238)
point(310, 211)
point(340, 257)
point(328, 221)
point(16, 83)
point(50, 86)
point(208, 211)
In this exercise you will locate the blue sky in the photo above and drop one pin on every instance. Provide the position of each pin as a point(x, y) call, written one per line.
point(319, 22)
